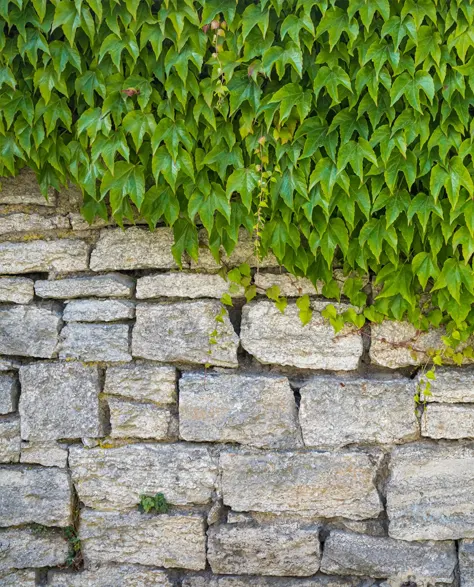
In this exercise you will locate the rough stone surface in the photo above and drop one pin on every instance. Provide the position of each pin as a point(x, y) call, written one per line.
point(9, 439)
point(8, 393)
point(111, 576)
point(13, 578)
point(30, 331)
point(179, 332)
point(274, 549)
point(448, 421)
point(95, 342)
point(60, 256)
point(133, 248)
point(17, 290)
point(132, 537)
point(466, 563)
point(34, 495)
point(114, 478)
point(112, 285)
point(429, 492)
point(141, 420)
point(60, 400)
point(347, 553)
point(98, 310)
point(24, 189)
point(336, 412)
point(20, 222)
point(142, 382)
point(31, 547)
point(255, 581)
point(182, 285)
point(253, 410)
point(8, 364)
point(298, 483)
point(280, 338)
point(48, 454)
point(290, 286)
point(451, 385)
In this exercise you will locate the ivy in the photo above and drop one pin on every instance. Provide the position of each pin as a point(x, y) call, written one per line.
point(337, 132)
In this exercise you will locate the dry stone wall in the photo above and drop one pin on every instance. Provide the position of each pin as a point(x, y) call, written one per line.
point(297, 459)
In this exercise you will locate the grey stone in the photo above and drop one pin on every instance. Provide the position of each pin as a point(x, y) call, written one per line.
point(280, 338)
point(183, 285)
point(19, 222)
point(255, 581)
point(59, 256)
point(146, 382)
point(21, 548)
point(22, 578)
point(112, 285)
point(8, 364)
point(451, 385)
point(8, 393)
point(95, 342)
point(448, 421)
point(24, 189)
point(99, 310)
point(114, 478)
point(17, 290)
point(147, 539)
point(466, 563)
point(429, 492)
point(141, 420)
point(48, 454)
point(34, 494)
point(60, 400)
point(336, 412)
point(271, 549)
point(346, 553)
point(290, 286)
point(30, 331)
point(298, 483)
point(180, 332)
point(111, 576)
point(10, 439)
point(254, 410)
point(133, 248)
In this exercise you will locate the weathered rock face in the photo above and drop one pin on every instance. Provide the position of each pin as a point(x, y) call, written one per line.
point(255, 581)
point(29, 331)
point(21, 548)
point(182, 285)
point(113, 285)
point(48, 454)
point(17, 290)
point(276, 549)
point(95, 342)
point(346, 553)
point(111, 576)
point(429, 492)
point(12, 578)
point(164, 540)
point(145, 382)
point(179, 332)
point(8, 393)
point(141, 420)
point(98, 310)
point(20, 222)
point(337, 412)
point(448, 421)
point(297, 483)
point(34, 494)
point(451, 385)
point(24, 189)
point(253, 410)
point(276, 338)
point(10, 441)
point(60, 400)
point(466, 563)
point(60, 256)
point(289, 285)
point(115, 478)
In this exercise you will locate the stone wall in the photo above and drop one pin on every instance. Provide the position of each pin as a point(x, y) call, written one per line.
point(296, 460)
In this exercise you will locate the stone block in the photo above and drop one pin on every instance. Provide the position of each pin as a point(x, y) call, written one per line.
point(111, 576)
point(24, 189)
point(29, 331)
point(16, 290)
point(290, 286)
point(60, 400)
point(253, 410)
point(59, 256)
point(255, 581)
point(48, 454)
point(114, 478)
point(34, 495)
point(141, 420)
point(99, 310)
point(146, 539)
point(8, 364)
point(95, 342)
point(19, 222)
point(297, 483)
point(9, 391)
point(335, 412)
point(451, 385)
point(272, 549)
point(10, 439)
point(347, 553)
point(180, 332)
point(429, 492)
point(183, 285)
point(146, 382)
point(112, 285)
point(452, 421)
point(14, 578)
point(466, 563)
point(21, 548)
point(280, 338)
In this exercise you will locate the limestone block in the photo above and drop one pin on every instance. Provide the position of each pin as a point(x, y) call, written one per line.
point(145, 382)
point(254, 410)
point(141, 420)
point(34, 494)
point(290, 286)
point(429, 492)
point(110, 576)
point(95, 342)
point(112, 285)
point(339, 411)
point(8, 364)
point(24, 189)
point(255, 581)
point(183, 285)
point(451, 421)
point(451, 385)
point(114, 478)
point(30, 331)
point(298, 483)
point(21, 548)
point(466, 563)
point(60, 400)
point(147, 539)
point(17, 290)
point(8, 393)
point(22, 578)
point(10, 439)
point(32, 222)
point(280, 338)
point(99, 310)
point(180, 332)
point(60, 256)
point(48, 454)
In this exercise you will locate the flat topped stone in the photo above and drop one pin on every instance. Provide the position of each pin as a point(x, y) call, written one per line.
point(17, 290)
point(9, 392)
point(466, 563)
point(111, 576)
point(18, 578)
point(10, 442)
point(112, 285)
point(99, 310)
point(452, 421)
point(59, 256)
point(24, 189)
point(130, 419)
point(451, 385)
point(21, 548)
point(183, 285)
point(147, 382)
point(95, 342)
point(256, 581)
point(20, 222)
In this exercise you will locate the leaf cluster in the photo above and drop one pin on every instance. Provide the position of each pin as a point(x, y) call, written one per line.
point(156, 504)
